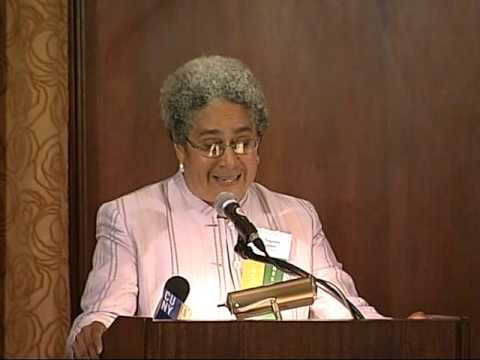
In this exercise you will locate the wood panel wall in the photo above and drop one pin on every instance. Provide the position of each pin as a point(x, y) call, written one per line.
point(375, 118)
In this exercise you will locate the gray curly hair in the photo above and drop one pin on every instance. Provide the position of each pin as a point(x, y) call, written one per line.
point(204, 79)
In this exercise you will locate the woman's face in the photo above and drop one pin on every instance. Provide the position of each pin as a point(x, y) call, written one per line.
point(219, 122)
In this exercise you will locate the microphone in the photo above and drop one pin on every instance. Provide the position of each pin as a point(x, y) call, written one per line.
point(227, 206)
point(171, 304)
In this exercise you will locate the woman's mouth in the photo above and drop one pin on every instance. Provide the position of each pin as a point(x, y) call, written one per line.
point(227, 180)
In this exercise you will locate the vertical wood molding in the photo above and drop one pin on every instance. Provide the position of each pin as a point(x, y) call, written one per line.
point(77, 148)
point(3, 185)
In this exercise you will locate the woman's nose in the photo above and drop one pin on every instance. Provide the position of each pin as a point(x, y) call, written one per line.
point(228, 158)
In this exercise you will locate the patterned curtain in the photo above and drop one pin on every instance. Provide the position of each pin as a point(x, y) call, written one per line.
point(33, 177)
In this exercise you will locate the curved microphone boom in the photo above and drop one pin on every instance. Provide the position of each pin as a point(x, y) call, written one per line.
point(326, 286)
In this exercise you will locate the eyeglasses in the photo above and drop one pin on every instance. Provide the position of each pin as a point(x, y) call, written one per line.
point(239, 147)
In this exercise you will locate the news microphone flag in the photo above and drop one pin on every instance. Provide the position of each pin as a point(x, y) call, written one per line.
point(171, 304)
point(171, 307)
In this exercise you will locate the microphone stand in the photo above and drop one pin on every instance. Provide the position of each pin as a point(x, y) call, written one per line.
point(242, 249)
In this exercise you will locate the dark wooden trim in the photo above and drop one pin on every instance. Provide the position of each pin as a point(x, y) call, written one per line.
point(77, 169)
point(3, 184)
point(464, 348)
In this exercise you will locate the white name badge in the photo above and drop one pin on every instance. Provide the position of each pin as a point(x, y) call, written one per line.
point(277, 243)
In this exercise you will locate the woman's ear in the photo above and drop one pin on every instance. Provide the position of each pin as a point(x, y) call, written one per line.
point(180, 152)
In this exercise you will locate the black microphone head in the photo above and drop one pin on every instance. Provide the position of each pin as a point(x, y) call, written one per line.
point(222, 200)
point(178, 286)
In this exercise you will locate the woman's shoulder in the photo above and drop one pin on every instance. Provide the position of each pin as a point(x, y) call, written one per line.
point(147, 196)
point(281, 200)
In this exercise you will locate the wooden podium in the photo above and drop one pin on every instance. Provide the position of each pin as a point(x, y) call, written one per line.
point(135, 337)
